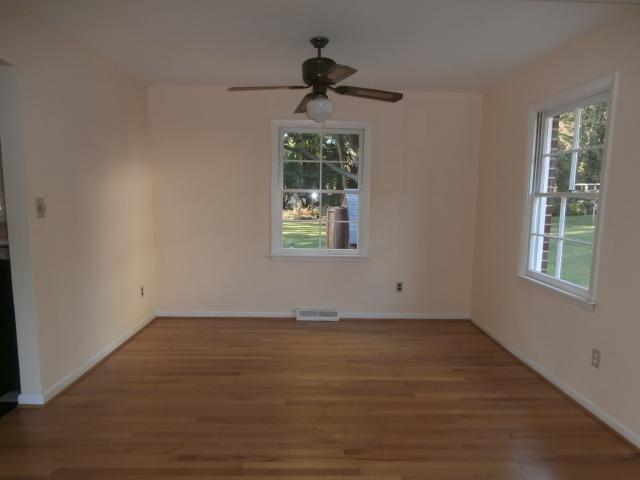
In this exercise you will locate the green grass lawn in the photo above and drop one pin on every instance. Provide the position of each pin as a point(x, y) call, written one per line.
point(303, 235)
point(576, 258)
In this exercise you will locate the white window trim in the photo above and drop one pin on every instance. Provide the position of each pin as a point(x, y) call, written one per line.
point(583, 297)
point(364, 170)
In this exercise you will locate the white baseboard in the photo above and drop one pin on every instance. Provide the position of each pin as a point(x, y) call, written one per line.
point(624, 431)
point(220, 314)
point(71, 377)
point(30, 399)
point(404, 316)
point(292, 314)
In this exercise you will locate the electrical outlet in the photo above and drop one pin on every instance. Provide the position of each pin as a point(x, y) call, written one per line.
point(142, 290)
point(399, 286)
point(595, 358)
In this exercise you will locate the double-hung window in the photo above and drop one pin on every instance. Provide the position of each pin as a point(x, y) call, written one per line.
point(320, 188)
point(565, 194)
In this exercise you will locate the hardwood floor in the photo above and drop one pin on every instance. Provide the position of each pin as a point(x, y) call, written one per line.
point(267, 398)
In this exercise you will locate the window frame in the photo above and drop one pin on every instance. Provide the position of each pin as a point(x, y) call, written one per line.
point(364, 169)
point(602, 89)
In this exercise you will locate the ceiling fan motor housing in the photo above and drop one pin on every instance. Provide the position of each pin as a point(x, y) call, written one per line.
point(314, 68)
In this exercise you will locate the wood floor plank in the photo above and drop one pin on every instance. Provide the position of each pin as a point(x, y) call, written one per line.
point(271, 398)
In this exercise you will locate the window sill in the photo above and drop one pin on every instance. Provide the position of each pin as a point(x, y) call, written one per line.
point(287, 256)
point(585, 304)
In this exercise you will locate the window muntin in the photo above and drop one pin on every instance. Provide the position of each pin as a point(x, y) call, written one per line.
point(319, 197)
point(565, 194)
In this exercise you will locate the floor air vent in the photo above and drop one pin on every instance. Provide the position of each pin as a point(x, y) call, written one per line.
point(317, 315)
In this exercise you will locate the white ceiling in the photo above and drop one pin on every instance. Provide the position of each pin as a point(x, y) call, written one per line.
point(458, 45)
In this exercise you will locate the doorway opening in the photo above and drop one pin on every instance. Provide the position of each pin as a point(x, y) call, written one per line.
point(9, 369)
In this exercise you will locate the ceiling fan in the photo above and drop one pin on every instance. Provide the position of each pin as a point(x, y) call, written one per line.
point(321, 74)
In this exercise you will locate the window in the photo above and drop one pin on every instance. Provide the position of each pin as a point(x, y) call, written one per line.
point(320, 188)
point(565, 195)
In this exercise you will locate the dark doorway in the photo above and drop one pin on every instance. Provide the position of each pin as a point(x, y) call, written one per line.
point(9, 371)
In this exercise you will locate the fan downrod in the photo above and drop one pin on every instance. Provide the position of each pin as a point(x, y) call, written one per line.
point(319, 43)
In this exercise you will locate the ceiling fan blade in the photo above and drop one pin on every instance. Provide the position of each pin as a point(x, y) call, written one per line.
point(370, 93)
point(338, 72)
point(302, 106)
point(283, 87)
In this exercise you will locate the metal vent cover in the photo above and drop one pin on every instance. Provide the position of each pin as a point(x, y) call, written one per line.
point(303, 314)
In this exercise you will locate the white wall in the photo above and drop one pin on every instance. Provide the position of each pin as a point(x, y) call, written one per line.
point(211, 177)
point(84, 142)
point(552, 332)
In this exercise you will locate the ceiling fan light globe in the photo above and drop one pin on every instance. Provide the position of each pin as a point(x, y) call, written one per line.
point(319, 109)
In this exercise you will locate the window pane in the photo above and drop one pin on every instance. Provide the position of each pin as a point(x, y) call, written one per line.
point(302, 235)
point(588, 171)
point(558, 172)
point(334, 203)
point(580, 220)
point(300, 206)
point(576, 263)
point(303, 175)
point(563, 176)
point(340, 207)
point(339, 176)
point(562, 132)
point(544, 252)
point(341, 147)
point(547, 211)
point(593, 124)
point(301, 146)
point(341, 235)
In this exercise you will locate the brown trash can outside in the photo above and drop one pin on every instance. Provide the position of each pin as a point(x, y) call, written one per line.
point(337, 233)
